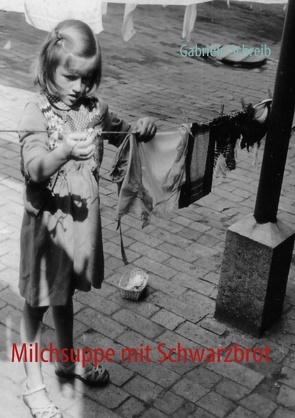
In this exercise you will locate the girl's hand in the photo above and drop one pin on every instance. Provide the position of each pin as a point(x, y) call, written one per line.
point(146, 129)
point(79, 145)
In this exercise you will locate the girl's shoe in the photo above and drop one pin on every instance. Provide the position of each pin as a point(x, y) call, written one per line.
point(48, 411)
point(95, 376)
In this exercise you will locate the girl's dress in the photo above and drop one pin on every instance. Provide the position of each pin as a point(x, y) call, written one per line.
point(61, 239)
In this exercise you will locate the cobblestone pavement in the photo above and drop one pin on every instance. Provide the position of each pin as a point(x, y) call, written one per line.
point(182, 252)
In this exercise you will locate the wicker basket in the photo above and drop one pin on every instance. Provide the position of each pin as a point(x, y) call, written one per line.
point(133, 283)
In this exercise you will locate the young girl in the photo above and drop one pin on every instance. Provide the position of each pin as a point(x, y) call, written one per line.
point(61, 137)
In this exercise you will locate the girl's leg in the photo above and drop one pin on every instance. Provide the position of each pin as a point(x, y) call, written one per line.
point(30, 331)
point(63, 317)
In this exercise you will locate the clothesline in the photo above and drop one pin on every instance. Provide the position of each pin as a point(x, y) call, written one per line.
point(247, 109)
point(53, 130)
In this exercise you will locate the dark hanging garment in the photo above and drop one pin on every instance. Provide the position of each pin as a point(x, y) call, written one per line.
point(198, 165)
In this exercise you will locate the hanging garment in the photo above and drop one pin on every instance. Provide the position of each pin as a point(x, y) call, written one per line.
point(150, 175)
point(46, 14)
point(246, 128)
point(198, 165)
point(188, 21)
point(175, 169)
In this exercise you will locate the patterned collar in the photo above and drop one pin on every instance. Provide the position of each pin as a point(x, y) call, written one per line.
point(58, 104)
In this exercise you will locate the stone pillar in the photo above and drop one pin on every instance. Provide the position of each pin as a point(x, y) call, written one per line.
point(254, 274)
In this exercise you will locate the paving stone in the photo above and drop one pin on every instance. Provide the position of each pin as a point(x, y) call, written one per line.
point(106, 290)
point(269, 370)
point(90, 409)
point(94, 301)
point(164, 223)
point(185, 410)
point(177, 306)
point(3, 285)
point(92, 339)
point(201, 336)
point(287, 377)
point(243, 340)
point(110, 396)
point(169, 402)
point(282, 412)
point(290, 361)
point(209, 241)
point(214, 326)
point(154, 413)
point(261, 406)
point(149, 265)
point(144, 238)
point(138, 323)
point(10, 317)
point(171, 238)
point(216, 404)
point(156, 254)
point(185, 254)
point(286, 397)
point(204, 377)
point(182, 220)
point(231, 390)
point(151, 369)
point(194, 283)
point(133, 339)
point(100, 323)
point(167, 319)
point(132, 407)
point(210, 264)
point(269, 388)
point(212, 277)
point(277, 352)
point(190, 234)
point(119, 374)
point(113, 279)
point(185, 267)
point(201, 413)
point(143, 308)
point(113, 249)
point(241, 412)
point(112, 263)
point(143, 389)
point(12, 298)
point(134, 222)
point(189, 390)
point(238, 373)
point(169, 287)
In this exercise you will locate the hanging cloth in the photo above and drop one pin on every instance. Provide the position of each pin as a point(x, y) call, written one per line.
point(150, 175)
point(198, 165)
point(46, 14)
point(188, 21)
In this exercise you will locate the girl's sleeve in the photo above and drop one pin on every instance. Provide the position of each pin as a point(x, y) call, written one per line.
point(33, 144)
point(111, 123)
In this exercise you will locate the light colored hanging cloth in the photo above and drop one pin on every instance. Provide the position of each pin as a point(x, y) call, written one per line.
point(150, 175)
point(163, 167)
point(188, 21)
point(128, 28)
point(12, 6)
point(46, 14)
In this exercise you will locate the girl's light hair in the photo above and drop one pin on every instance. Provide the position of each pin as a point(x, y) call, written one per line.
point(73, 44)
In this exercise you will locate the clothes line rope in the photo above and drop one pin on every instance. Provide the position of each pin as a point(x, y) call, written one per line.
point(246, 109)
